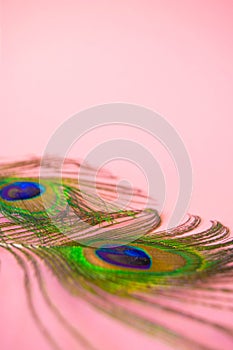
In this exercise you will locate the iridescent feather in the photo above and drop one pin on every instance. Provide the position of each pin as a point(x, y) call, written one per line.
point(116, 259)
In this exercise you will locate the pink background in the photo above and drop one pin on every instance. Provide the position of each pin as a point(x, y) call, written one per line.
point(175, 57)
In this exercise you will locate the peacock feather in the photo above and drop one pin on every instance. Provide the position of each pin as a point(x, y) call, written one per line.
point(161, 282)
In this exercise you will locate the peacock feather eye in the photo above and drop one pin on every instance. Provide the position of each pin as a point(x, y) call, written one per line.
point(27, 196)
point(125, 256)
point(21, 190)
point(136, 266)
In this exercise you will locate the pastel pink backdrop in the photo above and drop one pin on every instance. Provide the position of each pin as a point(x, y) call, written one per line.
point(60, 57)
